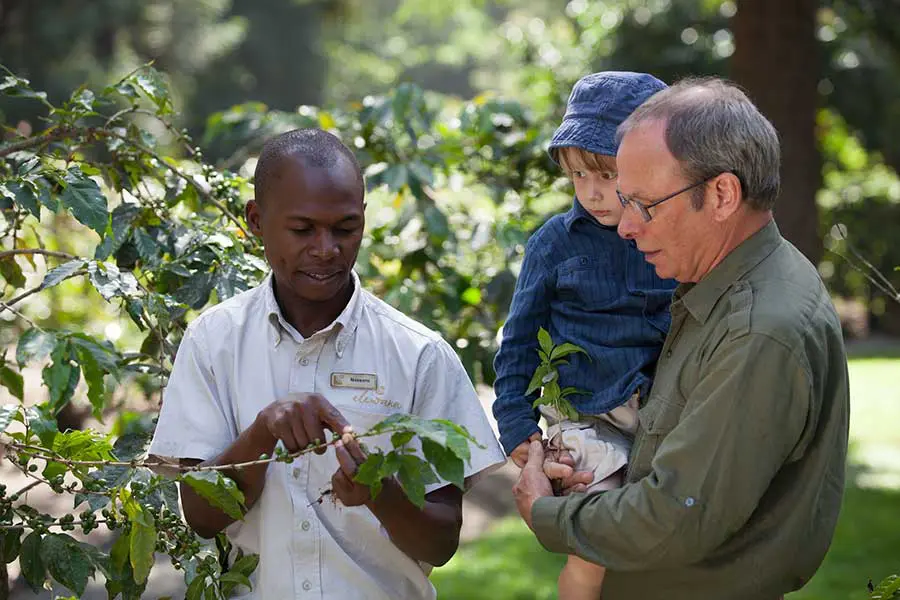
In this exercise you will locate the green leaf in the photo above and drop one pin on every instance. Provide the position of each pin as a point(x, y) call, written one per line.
point(12, 273)
point(110, 282)
point(151, 83)
point(222, 492)
point(83, 197)
point(42, 422)
point(196, 588)
point(401, 438)
point(14, 382)
point(370, 473)
point(245, 564)
point(146, 246)
point(33, 568)
point(567, 349)
point(61, 376)
point(66, 561)
point(26, 198)
point(887, 589)
point(228, 282)
point(571, 390)
point(230, 580)
point(436, 222)
point(195, 291)
point(121, 576)
point(120, 225)
point(537, 380)
point(83, 99)
point(34, 346)
point(61, 273)
point(82, 445)
point(7, 412)
point(545, 341)
point(142, 540)
point(11, 541)
point(414, 475)
point(449, 466)
point(96, 361)
point(131, 445)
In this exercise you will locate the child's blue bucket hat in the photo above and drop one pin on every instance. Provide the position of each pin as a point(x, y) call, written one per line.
point(598, 104)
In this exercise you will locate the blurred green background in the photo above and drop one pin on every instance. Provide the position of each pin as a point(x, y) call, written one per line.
point(450, 107)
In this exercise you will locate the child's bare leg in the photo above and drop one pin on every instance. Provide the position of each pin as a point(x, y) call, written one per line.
point(580, 580)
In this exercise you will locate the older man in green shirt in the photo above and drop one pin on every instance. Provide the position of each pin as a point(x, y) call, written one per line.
point(735, 480)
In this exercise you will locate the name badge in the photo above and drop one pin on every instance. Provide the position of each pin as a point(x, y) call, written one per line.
point(356, 381)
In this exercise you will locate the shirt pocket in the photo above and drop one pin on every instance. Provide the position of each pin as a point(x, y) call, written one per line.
point(657, 419)
point(587, 280)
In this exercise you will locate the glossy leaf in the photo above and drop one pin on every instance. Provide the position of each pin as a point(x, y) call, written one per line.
point(33, 569)
point(34, 346)
point(83, 197)
point(67, 561)
point(219, 490)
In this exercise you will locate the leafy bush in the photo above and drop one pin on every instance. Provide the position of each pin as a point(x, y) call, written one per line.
point(110, 202)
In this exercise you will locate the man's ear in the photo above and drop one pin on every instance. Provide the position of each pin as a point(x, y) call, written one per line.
point(253, 214)
point(726, 196)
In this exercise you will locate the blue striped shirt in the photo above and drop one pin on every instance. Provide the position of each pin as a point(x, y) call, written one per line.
point(585, 285)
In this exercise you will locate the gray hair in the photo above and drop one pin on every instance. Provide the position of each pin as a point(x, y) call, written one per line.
point(712, 127)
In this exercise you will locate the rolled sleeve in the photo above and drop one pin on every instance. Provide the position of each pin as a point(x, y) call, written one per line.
point(443, 391)
point(740, 425)
point(193, 422)
point(517, 357)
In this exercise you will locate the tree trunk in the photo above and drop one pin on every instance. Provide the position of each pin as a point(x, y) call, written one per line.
point(776, 61)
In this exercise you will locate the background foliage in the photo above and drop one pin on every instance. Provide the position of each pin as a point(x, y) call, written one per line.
point(121, 202)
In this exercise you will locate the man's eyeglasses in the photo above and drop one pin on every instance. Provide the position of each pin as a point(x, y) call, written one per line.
point(644, 209)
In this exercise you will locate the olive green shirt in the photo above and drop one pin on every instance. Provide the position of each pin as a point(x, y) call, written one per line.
point(736, 475)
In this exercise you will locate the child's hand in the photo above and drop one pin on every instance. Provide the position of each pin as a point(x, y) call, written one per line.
point(520, 454)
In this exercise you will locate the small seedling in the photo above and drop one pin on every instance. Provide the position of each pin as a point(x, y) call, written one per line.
point(546, 376)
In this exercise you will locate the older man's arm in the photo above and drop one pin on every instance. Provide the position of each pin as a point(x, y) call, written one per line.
point(740, 425)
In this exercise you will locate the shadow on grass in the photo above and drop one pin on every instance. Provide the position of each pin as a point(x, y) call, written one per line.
point(873, 347)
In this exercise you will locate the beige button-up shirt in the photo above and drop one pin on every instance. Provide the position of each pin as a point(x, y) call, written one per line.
point(241, 355)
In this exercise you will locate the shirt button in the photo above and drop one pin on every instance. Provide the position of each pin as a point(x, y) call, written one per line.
point(304, 362)
point(669, 353)
point(304, 526)
point(296, 473)
point(307, 585)
point(689, 501)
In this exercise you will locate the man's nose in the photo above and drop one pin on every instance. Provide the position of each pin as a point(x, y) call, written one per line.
point(324, 245)
point(629, 223)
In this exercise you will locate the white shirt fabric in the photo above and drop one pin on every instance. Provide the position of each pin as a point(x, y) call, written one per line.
point(240, 356)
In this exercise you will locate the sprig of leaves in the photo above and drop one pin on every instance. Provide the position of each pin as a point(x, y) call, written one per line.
point(546, 375)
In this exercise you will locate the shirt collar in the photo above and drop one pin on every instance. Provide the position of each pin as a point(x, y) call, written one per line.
point(345, 324)
point(700, 298)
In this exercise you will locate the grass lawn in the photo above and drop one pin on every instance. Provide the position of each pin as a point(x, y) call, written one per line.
point(507, 563)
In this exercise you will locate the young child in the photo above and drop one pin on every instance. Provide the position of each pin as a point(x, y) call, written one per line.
point(586, 285)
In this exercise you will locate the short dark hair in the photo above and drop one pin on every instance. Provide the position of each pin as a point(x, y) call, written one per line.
point(315, 147)
point(712, 127)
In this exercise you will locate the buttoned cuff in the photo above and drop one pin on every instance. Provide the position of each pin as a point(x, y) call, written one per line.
point(549, 531)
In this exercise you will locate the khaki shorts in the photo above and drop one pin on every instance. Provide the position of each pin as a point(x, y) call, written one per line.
point(595, 443)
